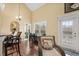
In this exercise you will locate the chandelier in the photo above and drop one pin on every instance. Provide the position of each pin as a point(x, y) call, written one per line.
point(19, 17)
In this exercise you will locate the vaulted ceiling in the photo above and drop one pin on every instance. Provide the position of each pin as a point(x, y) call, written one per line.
point(31, 6)
point(34, 6)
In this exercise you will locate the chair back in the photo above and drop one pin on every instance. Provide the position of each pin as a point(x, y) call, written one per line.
point(47, 42)
point(7, 39)
point(18, 34)
point(47, 46)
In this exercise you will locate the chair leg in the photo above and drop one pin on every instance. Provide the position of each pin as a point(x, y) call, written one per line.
point(5, 51)
point(16, 48)
point(19, 49)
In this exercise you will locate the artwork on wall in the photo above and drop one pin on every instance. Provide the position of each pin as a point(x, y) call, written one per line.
point(14, 24)
point(69, 7)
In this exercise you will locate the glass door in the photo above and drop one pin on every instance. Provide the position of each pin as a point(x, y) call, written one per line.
point(68, 32)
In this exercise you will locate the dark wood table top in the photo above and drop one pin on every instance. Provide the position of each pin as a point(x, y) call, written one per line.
point(3, 35)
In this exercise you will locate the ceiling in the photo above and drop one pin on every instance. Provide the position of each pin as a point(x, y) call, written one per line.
point(34, 6)
point(2, 6)
point(31, 6)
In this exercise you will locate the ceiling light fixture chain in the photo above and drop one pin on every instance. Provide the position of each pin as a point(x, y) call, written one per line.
point(19, 17)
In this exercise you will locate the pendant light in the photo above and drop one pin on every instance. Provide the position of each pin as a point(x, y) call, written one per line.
point(19, 17)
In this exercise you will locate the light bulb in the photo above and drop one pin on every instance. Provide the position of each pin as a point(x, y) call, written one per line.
point(20, 17)
point(17, 17)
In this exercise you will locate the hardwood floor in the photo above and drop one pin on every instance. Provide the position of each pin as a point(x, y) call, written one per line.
point(24, 50)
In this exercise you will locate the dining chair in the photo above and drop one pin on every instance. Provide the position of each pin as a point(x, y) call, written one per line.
point(10, 43)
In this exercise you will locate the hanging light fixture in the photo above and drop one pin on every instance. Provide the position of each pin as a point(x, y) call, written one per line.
point(19, 17)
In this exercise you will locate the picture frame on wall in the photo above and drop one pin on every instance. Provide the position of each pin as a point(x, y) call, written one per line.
point(70, 7)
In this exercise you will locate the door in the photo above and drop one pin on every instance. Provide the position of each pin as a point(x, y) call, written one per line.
point(68, 32)
point(77, 35)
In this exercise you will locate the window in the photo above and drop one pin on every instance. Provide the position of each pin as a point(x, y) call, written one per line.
point(40, 28)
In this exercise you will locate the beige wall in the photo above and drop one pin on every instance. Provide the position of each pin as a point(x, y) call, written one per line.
point(9, 15)
point(0, 21)
point(49, 13)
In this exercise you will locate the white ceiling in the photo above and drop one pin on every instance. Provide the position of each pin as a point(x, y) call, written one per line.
point(34, 6)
